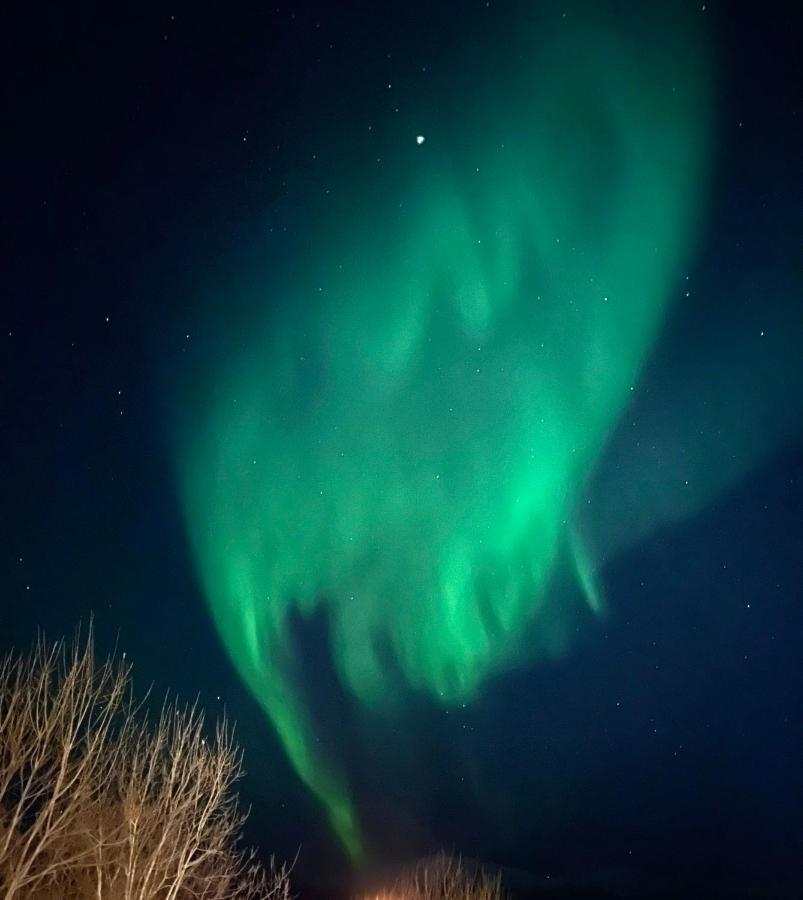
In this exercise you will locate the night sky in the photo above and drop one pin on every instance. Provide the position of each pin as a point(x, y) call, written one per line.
point(421, 384)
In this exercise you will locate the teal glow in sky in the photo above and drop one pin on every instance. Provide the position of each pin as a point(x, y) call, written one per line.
point(416, 410)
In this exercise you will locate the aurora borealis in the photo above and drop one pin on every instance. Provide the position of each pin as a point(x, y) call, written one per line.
point(418, 386)
point(405, 435)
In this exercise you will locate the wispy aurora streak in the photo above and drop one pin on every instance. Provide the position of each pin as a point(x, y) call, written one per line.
point(412, 419)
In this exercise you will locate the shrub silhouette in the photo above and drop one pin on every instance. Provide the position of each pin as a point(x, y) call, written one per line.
point(444, 877)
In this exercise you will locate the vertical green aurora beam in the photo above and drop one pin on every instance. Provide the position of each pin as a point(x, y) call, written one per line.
point(406, 431)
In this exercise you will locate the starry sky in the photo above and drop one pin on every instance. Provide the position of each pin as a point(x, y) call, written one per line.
point(422, 386)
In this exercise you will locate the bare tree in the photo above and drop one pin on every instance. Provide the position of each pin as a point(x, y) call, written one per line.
point(97, 802)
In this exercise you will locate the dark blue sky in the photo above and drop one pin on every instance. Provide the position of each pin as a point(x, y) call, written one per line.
point(145, 154)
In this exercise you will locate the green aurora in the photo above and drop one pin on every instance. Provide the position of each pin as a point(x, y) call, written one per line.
point(416, 411)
